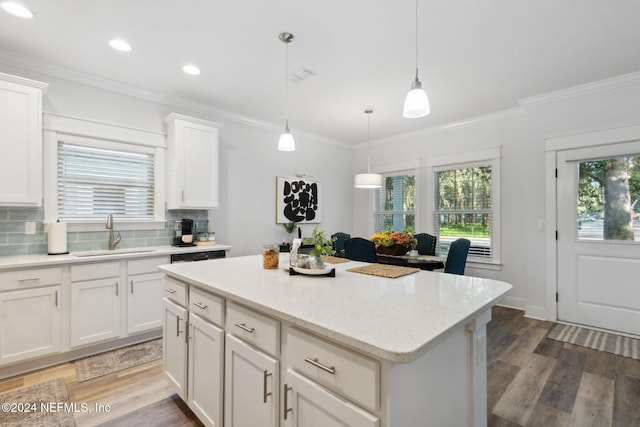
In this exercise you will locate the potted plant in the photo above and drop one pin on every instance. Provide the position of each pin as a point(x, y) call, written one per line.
point(393, 242)
point(321, 246)
point(290, 227)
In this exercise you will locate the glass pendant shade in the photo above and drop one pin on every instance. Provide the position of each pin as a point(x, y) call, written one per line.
point(286, 142)
point(368, 180)
point(416, 104)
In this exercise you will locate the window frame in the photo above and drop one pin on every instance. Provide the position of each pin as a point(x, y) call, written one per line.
point(491, 158)
point(57, 128)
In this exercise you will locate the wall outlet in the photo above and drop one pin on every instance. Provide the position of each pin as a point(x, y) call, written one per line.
point(30, 227)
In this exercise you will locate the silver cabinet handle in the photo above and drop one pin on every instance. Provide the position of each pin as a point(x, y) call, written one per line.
point(117, 288)
point(244, 327)
point(314, 362)
point(171, 291)
point(178, 331)
point(56, 298)
point(199, 305)
point(182, 195)
point(35, 280)
point(264, 389)
point(132, 286)
point(286, 410)
point(188, 335)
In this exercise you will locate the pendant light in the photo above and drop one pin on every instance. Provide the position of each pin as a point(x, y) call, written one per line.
point(286, 142)
point(368, 180)
point(416, 104)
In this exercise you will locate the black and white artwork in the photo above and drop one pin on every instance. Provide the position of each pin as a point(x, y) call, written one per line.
point(297, 200)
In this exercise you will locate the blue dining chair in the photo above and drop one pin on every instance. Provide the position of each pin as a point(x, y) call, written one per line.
point(359, 249)
point(457, 257)
point(338, 244)
point(426, 244)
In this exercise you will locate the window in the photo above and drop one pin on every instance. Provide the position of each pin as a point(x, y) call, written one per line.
point(94, 181)
point(464, 207)
point(395, 203)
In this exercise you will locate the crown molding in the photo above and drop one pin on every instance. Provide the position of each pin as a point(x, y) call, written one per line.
point(18, 61)
point(581, 90)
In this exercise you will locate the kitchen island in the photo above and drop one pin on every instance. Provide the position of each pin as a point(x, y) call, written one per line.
point(361, 349)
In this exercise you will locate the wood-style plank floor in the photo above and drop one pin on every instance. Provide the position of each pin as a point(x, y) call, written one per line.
point(532, 381)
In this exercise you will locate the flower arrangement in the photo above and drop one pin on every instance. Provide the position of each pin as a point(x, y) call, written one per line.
point(390, 238)
point(321, 244)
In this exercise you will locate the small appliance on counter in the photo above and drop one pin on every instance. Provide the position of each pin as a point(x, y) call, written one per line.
point(183, 232)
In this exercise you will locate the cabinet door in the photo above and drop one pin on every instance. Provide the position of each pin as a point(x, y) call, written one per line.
point(307, 404)
point(251, 386)
point(95, 311)
point(21, 143)
point(174, 347)
point(144, 302)
point(205, 370)
point(29, 323)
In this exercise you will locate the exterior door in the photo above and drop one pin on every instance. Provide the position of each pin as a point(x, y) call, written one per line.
point(599, 237)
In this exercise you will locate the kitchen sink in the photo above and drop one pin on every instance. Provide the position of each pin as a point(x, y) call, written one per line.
point(114, 252)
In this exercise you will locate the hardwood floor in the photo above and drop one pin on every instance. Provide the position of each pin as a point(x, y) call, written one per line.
point(532, 381)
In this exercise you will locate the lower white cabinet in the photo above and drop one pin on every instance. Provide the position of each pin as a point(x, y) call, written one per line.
point(144, 307)
point(29, 323)
point(308, 404)
point(205, 370)
point(174, 347)
point(251, 386)
point(95, 311)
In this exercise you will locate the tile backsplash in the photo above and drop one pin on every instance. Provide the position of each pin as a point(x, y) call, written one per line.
point(14, 241)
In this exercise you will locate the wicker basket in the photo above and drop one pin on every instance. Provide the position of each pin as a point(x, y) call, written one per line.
point(392, 250)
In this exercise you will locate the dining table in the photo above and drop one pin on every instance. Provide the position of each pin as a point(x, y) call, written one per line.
point(423, 262)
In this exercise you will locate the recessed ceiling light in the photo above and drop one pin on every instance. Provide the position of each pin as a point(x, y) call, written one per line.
point(190, 69)
point(121, 45)
point(16, 9)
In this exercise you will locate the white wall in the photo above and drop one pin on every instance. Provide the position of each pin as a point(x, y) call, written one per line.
point(249, 160)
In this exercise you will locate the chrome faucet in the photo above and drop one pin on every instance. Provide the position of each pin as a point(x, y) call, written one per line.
point(112, 241)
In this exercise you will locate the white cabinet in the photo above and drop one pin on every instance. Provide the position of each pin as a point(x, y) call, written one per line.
point(95, 302)
point(20, 141)
point(144, 294)
point(307, 404)
point(251, 386)
point(174, 347)
point(29, 323)
point(192, 159)
point(205, 370)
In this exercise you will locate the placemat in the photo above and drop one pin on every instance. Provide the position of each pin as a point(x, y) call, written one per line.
point(333, 259)
point(381, 270)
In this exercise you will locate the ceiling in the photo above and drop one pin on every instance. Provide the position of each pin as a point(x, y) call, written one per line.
point(475, 57)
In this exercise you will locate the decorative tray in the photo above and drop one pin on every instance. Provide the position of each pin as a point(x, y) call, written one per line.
point(326, 272)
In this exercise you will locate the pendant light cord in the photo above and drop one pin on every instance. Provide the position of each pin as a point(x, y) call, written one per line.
point(286, 86)
point(416, 39)
point(368, 113)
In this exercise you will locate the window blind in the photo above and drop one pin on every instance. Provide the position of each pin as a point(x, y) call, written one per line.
point(93, 182)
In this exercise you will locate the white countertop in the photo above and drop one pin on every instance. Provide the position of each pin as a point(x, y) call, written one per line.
point(394, 319)
point(22, 261)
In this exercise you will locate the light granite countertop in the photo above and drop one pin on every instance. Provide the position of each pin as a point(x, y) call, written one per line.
point(27, 261)
point(394, 319)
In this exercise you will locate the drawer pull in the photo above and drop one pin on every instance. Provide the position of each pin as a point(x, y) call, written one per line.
point(314, 362)
point(286, 410)
point(35, 280)
point(199, 305)
point(245, 328)
point(264, 389)
point(171, 291)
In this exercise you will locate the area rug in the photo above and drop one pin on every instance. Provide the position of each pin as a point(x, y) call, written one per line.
point(44, 404)
point(598, 340)
point(116, 360)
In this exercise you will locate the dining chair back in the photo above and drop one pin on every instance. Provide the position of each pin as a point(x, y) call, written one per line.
point(338, 244)
point(457, 257)
point(359, 249)
point(426, 243)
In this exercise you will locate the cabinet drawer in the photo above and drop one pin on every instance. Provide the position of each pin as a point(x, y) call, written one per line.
point(254, 328)
point(146, 265)
point(175, 290)
point(354, 376)
point(22, 279)
point(205, 305)
point(94, 271)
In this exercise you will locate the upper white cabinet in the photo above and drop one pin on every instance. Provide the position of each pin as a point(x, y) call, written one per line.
point(192, 177)
point(20, 141)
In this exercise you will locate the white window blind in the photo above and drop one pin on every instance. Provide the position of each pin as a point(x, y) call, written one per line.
point(95, 181)
point(394, 207)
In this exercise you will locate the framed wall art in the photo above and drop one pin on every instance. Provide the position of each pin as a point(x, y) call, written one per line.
point(297, 200)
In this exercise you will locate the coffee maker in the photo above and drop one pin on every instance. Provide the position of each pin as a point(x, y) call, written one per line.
point(182, 228)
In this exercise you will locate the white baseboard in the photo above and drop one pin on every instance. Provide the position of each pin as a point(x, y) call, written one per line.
point(513, 302)
point(535, 312)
